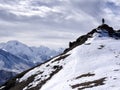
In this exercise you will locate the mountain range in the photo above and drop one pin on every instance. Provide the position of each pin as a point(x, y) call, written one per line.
point(92, 62)
point(16, 57)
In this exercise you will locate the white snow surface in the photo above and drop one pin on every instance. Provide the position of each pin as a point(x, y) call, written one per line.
point(100, 57)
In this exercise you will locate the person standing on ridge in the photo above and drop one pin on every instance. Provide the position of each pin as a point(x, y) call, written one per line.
point(103, 20)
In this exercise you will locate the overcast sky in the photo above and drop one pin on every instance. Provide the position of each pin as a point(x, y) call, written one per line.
point(54, 23)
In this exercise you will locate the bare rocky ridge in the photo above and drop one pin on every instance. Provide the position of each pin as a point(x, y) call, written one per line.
point(104, 27)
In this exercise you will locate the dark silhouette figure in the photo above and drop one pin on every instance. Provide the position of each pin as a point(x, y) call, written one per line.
point(103, 20)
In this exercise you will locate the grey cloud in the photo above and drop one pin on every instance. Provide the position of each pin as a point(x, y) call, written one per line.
point(74, 17)
point(8, 1)
point(6, 34)
point(49, 4)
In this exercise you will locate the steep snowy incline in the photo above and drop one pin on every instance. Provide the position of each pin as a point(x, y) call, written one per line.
point(92, 62)
point(96, 65)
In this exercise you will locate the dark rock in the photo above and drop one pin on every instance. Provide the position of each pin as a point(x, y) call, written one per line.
point(82, 39)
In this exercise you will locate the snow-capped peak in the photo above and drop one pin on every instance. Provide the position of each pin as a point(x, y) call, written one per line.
point(15, 42)
point(15, 57)
point(30, 54)
point(83, 66)
point(16, 47)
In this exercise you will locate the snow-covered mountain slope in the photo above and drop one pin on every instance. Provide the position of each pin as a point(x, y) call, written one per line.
point(10, 65)
point(92, 62)
point(30, 54)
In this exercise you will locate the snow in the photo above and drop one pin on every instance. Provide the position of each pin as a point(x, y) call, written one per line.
point(89, 58)
point(17, 57)
point(2, 87)
point(100, 58)
point(1, 64)
point(10, 62)
point(35, 71)
point(43, 68)
point(30, 54)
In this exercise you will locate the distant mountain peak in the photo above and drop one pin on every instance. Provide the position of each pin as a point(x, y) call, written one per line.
point(14, 52)
point(34, 54)
point(15, 43)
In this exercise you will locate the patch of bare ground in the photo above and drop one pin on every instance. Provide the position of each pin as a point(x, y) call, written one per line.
point(60, 58)
point(101, 46)
point(85, 75)
point(89, 84)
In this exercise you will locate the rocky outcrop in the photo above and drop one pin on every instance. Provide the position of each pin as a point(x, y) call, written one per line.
point(102, 28)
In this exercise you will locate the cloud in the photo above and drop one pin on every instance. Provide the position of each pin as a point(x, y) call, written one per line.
point(54, 22)
point(28, 8)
